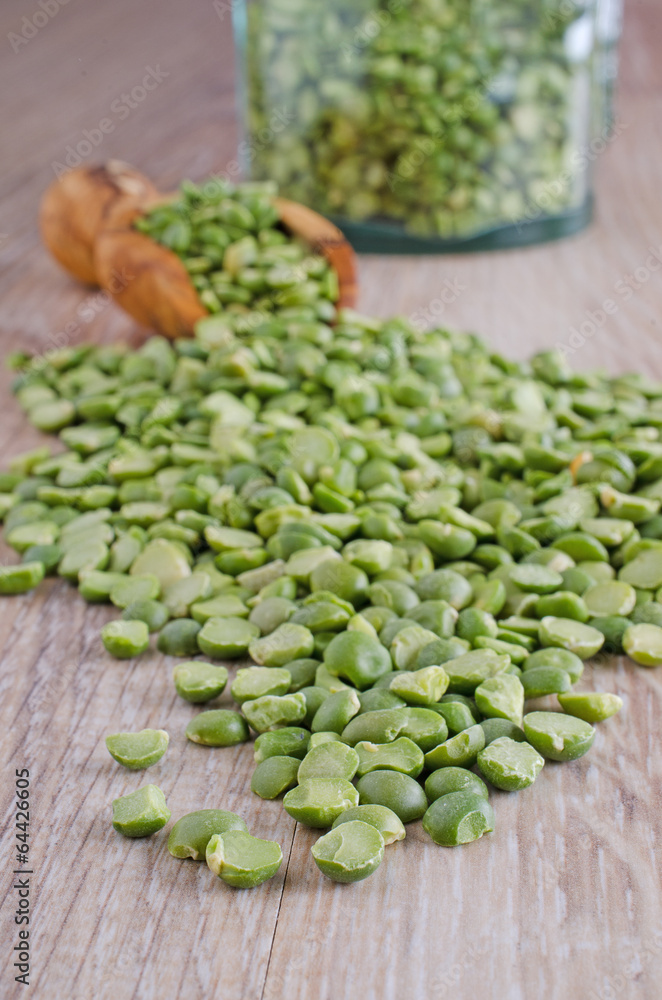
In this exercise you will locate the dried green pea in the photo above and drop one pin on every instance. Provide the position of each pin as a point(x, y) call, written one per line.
point(191, 833)
point(48, 555)
point(243, 861)
point(557, 736)
point(124, 551)
point(285, 643)
point(317, 802)
point(314, 696)
point(644, 571)
point(326, 680)
point(582, 547)
point(423, 726)
point(398, 792)
point(375, 699)
point(218, 728)
point(583, 640)
point(138, 750)
point(164, 560)
point(370, 555)
point(275, 776)
point(408, 644)
point(474, 622)
point(495, 728)
point(613, 628)
point(456, 716)
point(393, 626)
point(82, 557)
point(446, 780)
point(555, 656)
point(290, 741)
point(349, 852)
point(182, 594)
point(490, 597)
point(96, 585)
point(255, 682)
point(447, 541)
point(52, 415)
point(199, 682)
point(467, 671)
point(394, 593)
point(577, 580)
point(563, 604)
point(221, 606)
point(302, 672)
point(322, 616)
point(141, 813)
point(541, 681)
point(445, 585)
point(460, 750)
point(153, 613)
point(401, 755)
point(535, 579)
point(613, 598)
point(440, 651)
point(20, 579)
point(509, 764)
point(436, 616)
point(332, 759)
point(24, 536)
point(591, 706)
point(458, 818)
point(643, 644)
point(515, 651)
point(600, 572)
point(357, 658)
point(647, 612)
point(125, 639)
point(179, 637)
point(225, 638)
point(383, 819)
point(274, 711)
point(336, 711)
point(270, 613)
point(317, 739)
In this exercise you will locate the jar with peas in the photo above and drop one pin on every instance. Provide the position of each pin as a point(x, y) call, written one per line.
point(429, 125)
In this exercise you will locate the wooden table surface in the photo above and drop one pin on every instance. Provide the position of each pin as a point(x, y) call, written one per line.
point(563, 900)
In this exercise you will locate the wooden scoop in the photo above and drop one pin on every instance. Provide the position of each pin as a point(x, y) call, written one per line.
point(88, 226)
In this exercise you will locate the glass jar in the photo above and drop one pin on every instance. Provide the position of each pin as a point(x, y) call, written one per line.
point(428, 125)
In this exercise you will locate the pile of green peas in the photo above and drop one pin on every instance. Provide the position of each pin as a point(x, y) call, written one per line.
point(235, 252)
point(444, 118)
point(412, 538)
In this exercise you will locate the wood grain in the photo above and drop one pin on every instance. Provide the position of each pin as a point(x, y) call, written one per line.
point(563, 901)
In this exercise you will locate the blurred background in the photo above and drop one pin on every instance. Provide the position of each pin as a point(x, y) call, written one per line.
point(162, 76)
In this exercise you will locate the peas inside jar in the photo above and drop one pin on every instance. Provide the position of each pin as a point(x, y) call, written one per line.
point(425, 126)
